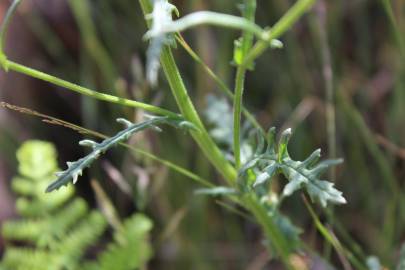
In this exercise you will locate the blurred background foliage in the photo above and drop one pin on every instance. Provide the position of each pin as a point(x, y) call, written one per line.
point(99, 44)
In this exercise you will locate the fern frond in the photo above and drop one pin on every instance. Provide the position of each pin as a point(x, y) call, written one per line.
point(23, 230)
point(26, 258)
point(75, 243)
point(75, 169)
point(28, 207)
point(131, 249)
point(58, 232)
point(44, 232)
point(62, 221)
point(37, 159)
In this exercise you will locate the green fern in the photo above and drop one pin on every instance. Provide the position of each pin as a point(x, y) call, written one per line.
point(56, 229)
point(120, 255)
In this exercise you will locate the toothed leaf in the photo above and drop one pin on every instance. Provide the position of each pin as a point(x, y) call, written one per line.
point(75, 169)
point(300, 174)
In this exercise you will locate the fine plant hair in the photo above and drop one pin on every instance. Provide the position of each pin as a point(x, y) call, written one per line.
point(248, 176)
point(58, 228)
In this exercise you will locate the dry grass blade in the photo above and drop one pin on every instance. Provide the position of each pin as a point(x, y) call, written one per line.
point(51, 120)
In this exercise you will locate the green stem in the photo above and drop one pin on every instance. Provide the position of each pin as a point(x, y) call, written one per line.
point(92, 45)
point(249, 10)
point(330, 238)
point(10, 65)
point(284, 24)
point(237, 105)
point(271, 231)
point(6, 21)
point(188, 111)
point(222, 86)
point(394, 25)
point(85, 131)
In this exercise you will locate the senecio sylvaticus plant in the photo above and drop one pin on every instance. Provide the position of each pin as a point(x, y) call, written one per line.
point(247, 179)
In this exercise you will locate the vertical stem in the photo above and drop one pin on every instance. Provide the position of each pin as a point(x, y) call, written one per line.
point(6, 21)
point(249, 10)
point(222, 86)
point(237, 105)
point(187, 109)
point(271, 231)
point(81, 10)
point(282, 25)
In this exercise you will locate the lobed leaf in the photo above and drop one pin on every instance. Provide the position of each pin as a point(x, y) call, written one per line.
point(75, 169)
point(300, 174)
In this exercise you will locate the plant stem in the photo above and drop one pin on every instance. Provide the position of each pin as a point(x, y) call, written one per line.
point(188, 111)
point(85, 131)
point(6, 21)
point(272, 232)
point(282, 25)
point(91, 43)
point(249, 10)
point(10, 65)
point(222, 86)
point(330, 238)
point(237, 105)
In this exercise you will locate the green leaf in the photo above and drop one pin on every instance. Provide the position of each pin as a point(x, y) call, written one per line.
point(300, 174)
point(267, 174)
point(75, 169)
point(291, 231)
